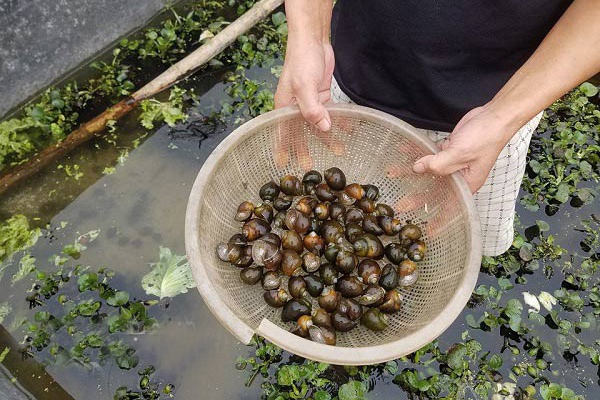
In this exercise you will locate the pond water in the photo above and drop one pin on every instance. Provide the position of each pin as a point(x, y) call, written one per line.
point(141, 206)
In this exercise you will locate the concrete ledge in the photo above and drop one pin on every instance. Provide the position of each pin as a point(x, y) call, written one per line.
point(42, 40)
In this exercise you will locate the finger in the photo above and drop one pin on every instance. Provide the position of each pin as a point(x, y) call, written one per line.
point(313, 110)
point(283, 97)
point(303, 156)
point(282, 147)
point(443, 163)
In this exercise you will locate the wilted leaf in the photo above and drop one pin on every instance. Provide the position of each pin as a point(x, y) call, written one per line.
point(170, 276)
point(547, 300)
point(531, 301)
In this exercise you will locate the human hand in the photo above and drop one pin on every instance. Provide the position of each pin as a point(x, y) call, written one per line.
point(305, 80)
point(472, 147)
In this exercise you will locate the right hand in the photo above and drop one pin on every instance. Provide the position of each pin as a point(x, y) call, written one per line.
point(305, 80)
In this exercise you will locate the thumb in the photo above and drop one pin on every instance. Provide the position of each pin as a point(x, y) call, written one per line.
point(443, 163)
point(312, 109)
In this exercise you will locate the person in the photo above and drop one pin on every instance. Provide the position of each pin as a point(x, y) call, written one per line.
point(475, 73)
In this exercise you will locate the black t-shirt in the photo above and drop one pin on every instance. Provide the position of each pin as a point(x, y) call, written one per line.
point(429, 62)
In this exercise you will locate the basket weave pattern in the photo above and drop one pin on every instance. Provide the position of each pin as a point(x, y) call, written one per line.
point(373, 142)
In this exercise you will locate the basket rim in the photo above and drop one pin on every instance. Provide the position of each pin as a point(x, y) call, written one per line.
point(287, 340)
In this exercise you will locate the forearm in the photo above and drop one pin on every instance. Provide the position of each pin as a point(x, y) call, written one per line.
point(308, 20)
point(568, 55)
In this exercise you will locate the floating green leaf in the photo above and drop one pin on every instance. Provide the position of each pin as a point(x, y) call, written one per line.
point(353, 390)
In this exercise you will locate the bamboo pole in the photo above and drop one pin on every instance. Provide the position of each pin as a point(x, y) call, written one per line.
point(178, 71)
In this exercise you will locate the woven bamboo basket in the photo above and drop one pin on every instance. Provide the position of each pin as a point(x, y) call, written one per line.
point(373, 142)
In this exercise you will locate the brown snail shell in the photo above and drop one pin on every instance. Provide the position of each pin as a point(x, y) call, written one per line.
point(355, 191)
point(279, 220)
point(251, 275)
point(353, 231)
point(366, 204)
point(351, 308)
point(297, 287)
point(354, 215)
point(369, 245)
point(291, 263)
point(324, 193)
point(394, 252)
point(229, 252)
point(383, 210)
point(282, 203)
point(294, 309)
point(271, 237)
point(369, 271)
point(411, 232)
point(338, 212)
point(255, 228)
point(322, 334)
point(296, 221)
point(407, 271)
point(263, 251)
point(311, 262)
point(310, 180)
point(322, 210)
point(264, 211)
point(244, 211)
point(331, 231)
point(314, 243)
point(238, 238)
point(329, 300)
point(271, 280)
point(392, 302)
point(389, 277)
point(374, 320)
point(328, 273)
point(344, 199)
point(302, 326)
point(331, 252)
point(335, 178)
point(341, 322)
point(290, 240)
point(416, 250)
point(371, 192)
point(306, 205)
point(390, 225)
point(269, 191)
point(321, 317)
point(372, 296)
point(276, 298)
point(290, 185)
point(371, 225)
point(345, 261)
point(314, 285)
point(349, 286)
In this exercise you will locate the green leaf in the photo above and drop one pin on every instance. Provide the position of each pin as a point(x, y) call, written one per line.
point(495, 362)
point(4, 354)
point(322, 395)
point(26, 266)
point(562, 193)
point(456, 356)
point(278, 18)
point(353, 390)
point(16, 235)
point(542, 225)
point(5, 309)
point(170, 276)
point(589, 89)
point(118, 299)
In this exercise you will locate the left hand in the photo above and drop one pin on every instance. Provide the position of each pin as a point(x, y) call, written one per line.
point(472, 148)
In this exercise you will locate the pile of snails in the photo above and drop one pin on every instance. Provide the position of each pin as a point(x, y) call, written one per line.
point(317, 241)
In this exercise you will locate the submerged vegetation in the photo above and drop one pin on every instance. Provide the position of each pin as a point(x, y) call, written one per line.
point(531, 324)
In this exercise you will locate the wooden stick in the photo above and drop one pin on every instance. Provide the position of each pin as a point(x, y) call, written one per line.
point(171, 76)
